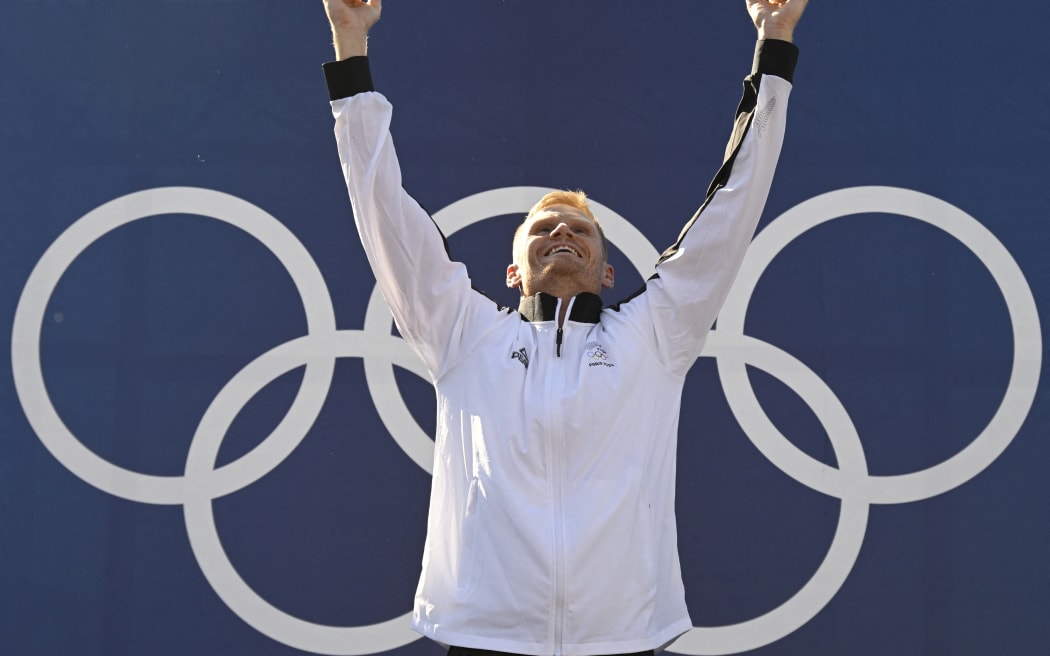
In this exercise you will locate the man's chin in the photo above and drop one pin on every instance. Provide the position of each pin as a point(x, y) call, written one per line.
point(559, 268)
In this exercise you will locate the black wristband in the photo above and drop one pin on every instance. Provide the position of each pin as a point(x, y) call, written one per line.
point(774, 57)
point(348, 77)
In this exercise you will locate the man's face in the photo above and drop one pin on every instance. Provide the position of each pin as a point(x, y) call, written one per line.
point(559, 251)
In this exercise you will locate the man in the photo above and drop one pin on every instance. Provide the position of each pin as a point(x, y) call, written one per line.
point(551, 528)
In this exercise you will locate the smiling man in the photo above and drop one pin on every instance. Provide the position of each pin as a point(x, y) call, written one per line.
point(560, 249)
point(551, 528)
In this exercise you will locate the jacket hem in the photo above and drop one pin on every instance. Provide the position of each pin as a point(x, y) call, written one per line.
point(657, 642)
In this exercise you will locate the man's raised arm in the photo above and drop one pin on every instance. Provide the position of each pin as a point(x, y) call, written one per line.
point(429, 295)
point(694, 275)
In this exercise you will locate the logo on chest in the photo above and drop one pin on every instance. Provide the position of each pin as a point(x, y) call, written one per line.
point(597, 355)
point(521, 356)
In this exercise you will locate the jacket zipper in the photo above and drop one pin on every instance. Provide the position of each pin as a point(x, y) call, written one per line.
point(559, 520)
point(559, 564)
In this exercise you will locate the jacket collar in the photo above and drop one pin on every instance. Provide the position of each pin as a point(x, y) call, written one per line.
point(585, 308)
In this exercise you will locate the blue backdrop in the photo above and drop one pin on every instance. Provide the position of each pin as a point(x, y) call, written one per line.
point(174, 219)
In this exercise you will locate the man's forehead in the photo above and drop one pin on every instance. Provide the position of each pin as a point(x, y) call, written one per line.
point(559, 211)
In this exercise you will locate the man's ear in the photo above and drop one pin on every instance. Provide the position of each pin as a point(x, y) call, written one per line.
point(608, 276)
point(513, 277)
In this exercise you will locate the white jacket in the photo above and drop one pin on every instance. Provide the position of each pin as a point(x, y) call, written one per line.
point(551, 527)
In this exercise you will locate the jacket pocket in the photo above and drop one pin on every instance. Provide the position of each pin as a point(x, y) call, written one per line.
point(470, 562)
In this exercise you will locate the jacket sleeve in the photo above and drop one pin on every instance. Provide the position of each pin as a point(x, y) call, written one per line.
point(430, 296)
point(693, 277)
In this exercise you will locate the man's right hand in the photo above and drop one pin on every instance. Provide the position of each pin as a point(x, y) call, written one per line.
point(351, 20)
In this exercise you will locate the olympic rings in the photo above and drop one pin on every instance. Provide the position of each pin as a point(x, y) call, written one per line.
point(202, 481)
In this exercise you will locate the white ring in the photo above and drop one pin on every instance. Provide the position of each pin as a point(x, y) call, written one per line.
point(200, 521)
point(1024, 317)
point(29, 317)
point(739, 350)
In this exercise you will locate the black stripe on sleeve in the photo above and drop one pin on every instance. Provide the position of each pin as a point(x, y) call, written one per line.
point(772, 57)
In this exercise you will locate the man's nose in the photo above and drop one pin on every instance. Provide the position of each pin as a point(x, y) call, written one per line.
point(561, 230)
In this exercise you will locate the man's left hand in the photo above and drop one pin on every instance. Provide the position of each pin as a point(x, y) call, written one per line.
point(776, 19)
